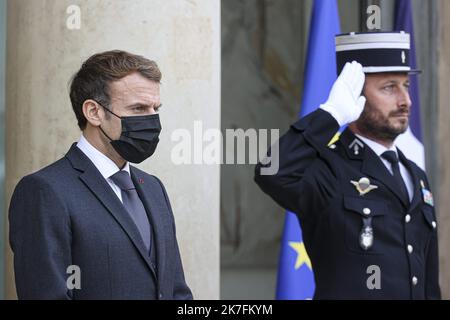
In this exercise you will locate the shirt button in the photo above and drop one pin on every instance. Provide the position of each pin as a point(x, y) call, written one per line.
point(160, 295)
point(407, 218)
point(434, 224)
point(366, 211)
point(414, 281)
point(410, 248)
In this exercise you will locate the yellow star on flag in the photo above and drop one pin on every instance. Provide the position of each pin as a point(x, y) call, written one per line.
point(302, 255)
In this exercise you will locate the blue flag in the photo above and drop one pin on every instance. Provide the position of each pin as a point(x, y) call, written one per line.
point(295, 276)
point(410, 142)
point(404, 22)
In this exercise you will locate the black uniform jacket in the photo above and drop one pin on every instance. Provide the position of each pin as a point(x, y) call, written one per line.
point(320, 182)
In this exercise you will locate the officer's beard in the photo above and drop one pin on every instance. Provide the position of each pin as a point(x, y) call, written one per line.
point(376, 126)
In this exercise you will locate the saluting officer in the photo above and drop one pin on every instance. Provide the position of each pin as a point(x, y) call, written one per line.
point(361, 203)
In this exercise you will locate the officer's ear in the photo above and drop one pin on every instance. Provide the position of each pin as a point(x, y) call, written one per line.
point(93, 113)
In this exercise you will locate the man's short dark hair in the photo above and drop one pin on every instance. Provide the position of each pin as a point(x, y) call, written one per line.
point(93, 80)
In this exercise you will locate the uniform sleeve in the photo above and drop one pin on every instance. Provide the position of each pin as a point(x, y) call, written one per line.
point(303, 180)
point(432, 289)
point(40, 237)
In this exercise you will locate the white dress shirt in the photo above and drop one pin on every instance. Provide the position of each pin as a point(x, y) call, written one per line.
point(105, 165)
point(379, 150)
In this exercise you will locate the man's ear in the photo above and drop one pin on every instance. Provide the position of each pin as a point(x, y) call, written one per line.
point(93, 113)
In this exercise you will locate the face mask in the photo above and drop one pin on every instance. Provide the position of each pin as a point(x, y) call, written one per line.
point(139, 137)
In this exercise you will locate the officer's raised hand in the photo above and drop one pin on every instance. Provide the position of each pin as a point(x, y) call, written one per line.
point(345, 102)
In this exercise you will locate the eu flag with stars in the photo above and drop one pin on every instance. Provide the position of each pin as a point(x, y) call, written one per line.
point(295, 273)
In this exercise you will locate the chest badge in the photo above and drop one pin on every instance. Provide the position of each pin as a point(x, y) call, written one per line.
point(363, 186)
point(427, 195)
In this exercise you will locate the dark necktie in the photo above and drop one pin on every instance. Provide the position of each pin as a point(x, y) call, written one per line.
point(392, 157)
point(133, 204)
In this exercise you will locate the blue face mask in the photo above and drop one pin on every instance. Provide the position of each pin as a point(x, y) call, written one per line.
point(139, 137)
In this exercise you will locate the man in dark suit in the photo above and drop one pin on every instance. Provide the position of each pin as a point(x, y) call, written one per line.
point(366, 212)
point(90, 226)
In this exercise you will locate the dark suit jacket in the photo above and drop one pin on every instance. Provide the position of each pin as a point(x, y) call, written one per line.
point(67, 214)
point(314, 181)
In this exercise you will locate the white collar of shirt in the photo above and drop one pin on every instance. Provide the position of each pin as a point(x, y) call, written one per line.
point(379, 149)
point(105, 165)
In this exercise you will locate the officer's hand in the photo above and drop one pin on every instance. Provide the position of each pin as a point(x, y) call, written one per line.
point(345, 102)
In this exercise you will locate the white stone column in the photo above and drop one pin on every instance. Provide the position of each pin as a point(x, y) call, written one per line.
point(183, 37)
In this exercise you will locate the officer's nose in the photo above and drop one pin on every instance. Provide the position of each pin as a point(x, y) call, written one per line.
point(404, 99)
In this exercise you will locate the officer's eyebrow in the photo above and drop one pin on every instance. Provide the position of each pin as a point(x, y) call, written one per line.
point(394, 82)
point(388, 82)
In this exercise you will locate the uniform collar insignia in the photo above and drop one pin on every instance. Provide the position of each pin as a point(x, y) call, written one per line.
point(356, 146)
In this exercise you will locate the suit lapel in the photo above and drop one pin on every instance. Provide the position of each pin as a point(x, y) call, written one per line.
point(371, 164)
point(417, 197)
point(95, 182)
point(153, 206)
